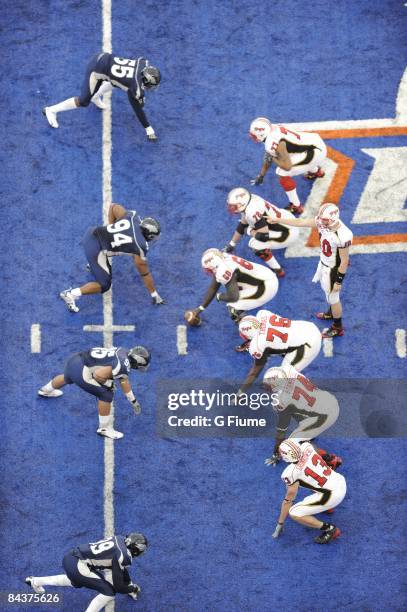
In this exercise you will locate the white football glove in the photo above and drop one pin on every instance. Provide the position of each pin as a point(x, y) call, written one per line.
point(273, 460)
point(136, 406)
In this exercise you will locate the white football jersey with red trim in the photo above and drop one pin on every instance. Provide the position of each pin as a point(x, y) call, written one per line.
point(312, 472)
point(258, 209)
point(296, 142)
point(331, 241)
point(278, 333)
point(231, 263)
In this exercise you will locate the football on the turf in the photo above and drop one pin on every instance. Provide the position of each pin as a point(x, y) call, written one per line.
point(192, 318)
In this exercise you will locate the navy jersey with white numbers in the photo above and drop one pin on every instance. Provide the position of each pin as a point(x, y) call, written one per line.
point(124, 73)
point(116, 357)
point(102, 553)
point(123, 236)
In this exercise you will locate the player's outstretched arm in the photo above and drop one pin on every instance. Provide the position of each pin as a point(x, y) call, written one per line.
point(138, 109)
point(120, 579)
point(290, 496)
point(252, 375)
point(263, 171)
point(293, 222)
point(147, 277)
point(230, 247)
point(209, 295)
point(232, 290)
point(127, 390)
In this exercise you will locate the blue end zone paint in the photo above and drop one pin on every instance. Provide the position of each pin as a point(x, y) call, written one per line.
point(208, 507)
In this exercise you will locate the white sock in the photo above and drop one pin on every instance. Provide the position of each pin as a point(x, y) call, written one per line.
point(293, 197)
point(104, 88)
point(98, 603)
point(48, 387)
point(273, 263)
point(104, 421)
point(76, 293)
point(66, 105)
point(60, 580)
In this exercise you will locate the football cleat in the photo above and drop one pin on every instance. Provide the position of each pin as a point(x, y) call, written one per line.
point(54, 393)
point(69, 300)
point(109, 432)
point(333, 331)
point(30, 580)
point(279, 272)
point(314, 175)
point(50, 116)
point(327, 535)
point(98, 101)
point(295, 210)
point(324, 316)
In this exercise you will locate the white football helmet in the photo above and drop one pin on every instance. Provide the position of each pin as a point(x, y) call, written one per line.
point(328, 217)
point(260, 128)
point(248, 327)
point(238, 199)
point(290, 451)
point(211, 259)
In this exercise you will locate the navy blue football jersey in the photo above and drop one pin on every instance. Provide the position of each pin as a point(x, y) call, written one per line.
point(124, 73)
point(116, 357)
point(123, 236)
point(102, 554)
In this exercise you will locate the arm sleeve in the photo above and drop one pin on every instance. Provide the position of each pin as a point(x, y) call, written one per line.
point(121, 578)
point(211, 292)
point(232, 290)
point(138, 109)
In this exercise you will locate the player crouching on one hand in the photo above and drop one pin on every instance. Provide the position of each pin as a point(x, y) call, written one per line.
point(248, 285)
point(100, 566)
point(307, 469)
point(335, 239)
point(95, 371)
point(313, 410)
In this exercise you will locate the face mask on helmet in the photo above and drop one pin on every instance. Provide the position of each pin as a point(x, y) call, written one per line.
point(139, 358)
point(151, 77)
point(136, 543)
point(290, 451)
point(211, 260)
point(260, 128)
point(328, 217)
point(248, 327)
point(150, 228)
point(238, 200)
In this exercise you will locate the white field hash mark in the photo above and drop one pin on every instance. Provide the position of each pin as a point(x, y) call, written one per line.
point(182, 340)
point(401, 348)
point(328, 346)
point(36, 338)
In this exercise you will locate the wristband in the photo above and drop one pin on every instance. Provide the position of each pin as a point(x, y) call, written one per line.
point(339, 277)
point(201, 308)
point(130, 396)
point(154, 294)
point(149, 131)
point(232, 243)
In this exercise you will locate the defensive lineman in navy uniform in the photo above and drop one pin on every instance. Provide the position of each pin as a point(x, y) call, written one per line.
point(95, 371)
point(126, 234)
point(104, 71)
point(100, 566)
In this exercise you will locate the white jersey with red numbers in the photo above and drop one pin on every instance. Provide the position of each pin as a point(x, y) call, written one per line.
point(258, 209)
point(231, 263)
point(279, 334)
point(331, 241)
point(301, 146)
point(312, 472)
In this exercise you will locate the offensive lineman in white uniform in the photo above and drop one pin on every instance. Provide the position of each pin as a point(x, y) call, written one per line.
point(265, 236)
point(335, 239)
point(269, 334)
point(307, 469)
point(313, 409)
point(293, 152)
point(248, 285)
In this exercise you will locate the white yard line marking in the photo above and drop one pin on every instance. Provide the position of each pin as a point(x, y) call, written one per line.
point(401, 348)
point(328, 345)
point(36, 338)
point(109, 329)
point(182, 340)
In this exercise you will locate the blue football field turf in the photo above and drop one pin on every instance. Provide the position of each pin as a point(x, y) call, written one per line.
point(208, 506)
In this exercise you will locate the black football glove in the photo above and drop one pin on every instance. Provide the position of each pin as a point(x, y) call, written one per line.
point(158, 300)
point(229, 248)
point(257, 180)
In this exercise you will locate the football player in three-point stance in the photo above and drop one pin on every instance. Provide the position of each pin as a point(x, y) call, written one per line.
point(307, 469)
point(335, 239)
point(248, 285)
point(265, 236)
point(313, 409)
point(135, 76)
point(126, 234)
point(95, 371)
point(266, 334)
point(100, 566)
point(293, 152)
